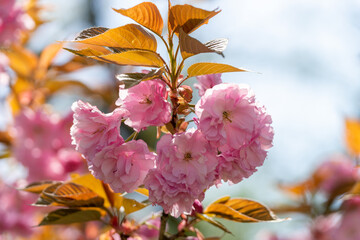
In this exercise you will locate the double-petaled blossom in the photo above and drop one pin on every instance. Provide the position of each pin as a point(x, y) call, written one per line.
point(205, 82)
point(93, 130)
point(13, 20)
point(231, 119)
point(41, 145)
point(123, 166)
point(186, 167)
point(146, 104)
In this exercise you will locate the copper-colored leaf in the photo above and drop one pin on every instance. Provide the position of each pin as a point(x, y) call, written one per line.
point(38, 187)
point(188, 18)
point(133, 57)
point(130, 36)
point(91, 32)
point(72, 195)
point(132, 79)
point(299, 189)
point(353, 136)
point(205, 68)
point(240, 210)
point(22, 61)
point(89, 52)
point(146, 14)
point(190, 46)
point(46, 58)
point(5, 138)
point(68, 216)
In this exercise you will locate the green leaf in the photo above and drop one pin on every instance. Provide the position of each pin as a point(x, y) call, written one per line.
point(38, 187)
point(205, 68)
point(131, 36)
point(146, 14)
point(188, 18)
point(218, 45)
point(190, 46)
point(68, 216)
point(134, 58)
point(91, 32)
point(240, 210)
point(132, 79)
point(213, 222)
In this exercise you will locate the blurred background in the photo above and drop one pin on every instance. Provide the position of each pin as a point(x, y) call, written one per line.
point(304, 56)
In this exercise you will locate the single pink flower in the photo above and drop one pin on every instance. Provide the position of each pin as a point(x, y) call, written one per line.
point(93, 130)
point(146, 104)
point(42, 144)
point(241, 162)
point(123, 166)
point(171, 193)
point(338, 171)
point(207, 81)
point(13, 20)
point(228, 114)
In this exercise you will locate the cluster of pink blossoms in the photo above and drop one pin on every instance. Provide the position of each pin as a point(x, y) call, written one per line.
point(13, 20)
point(233, 136)
point(43, 145)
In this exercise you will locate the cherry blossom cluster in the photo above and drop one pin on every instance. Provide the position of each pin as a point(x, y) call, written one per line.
point(43, 145)
point(231, 140)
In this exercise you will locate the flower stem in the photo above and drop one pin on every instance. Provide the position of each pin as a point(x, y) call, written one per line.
point(164, 218)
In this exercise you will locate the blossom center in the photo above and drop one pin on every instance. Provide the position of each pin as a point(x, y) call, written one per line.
point(146, 100)
point(226, 116)
point(187, 156)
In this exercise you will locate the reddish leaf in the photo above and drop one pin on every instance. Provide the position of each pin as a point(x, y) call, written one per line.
point(190, 46)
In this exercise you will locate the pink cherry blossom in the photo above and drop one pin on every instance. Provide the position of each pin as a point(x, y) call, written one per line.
point(147, 231)
point(93, 130)
point(17, 214)
point(123, 166)
point(186, 166)
point(146, 104)
point(228, 114)
point(12, 21)
point(336, 172)
point(207, 81)
point(180, 156)
point(238, 163)
point(173, 194)
point(41, 145)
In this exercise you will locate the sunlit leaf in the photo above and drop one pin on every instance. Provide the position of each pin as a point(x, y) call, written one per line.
point(212, 222)
point(38, 187)
point(204, 68)
point(299, 189)
point(89, 181)
point(133, 57)
point(240, 210)
point(68, 216)
point(146, 14)
point(353, 136)
point(89, 52)
point(44, 198)
point(190, 46)
point(22, 61)
point(91, 32)
point(5, 138)
point(131, 79)
point(130, 205)
point(217, 45)
point(142, 191)
point(72, 195)
point(46, 58)
point(130, 36)
point(188, 18)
